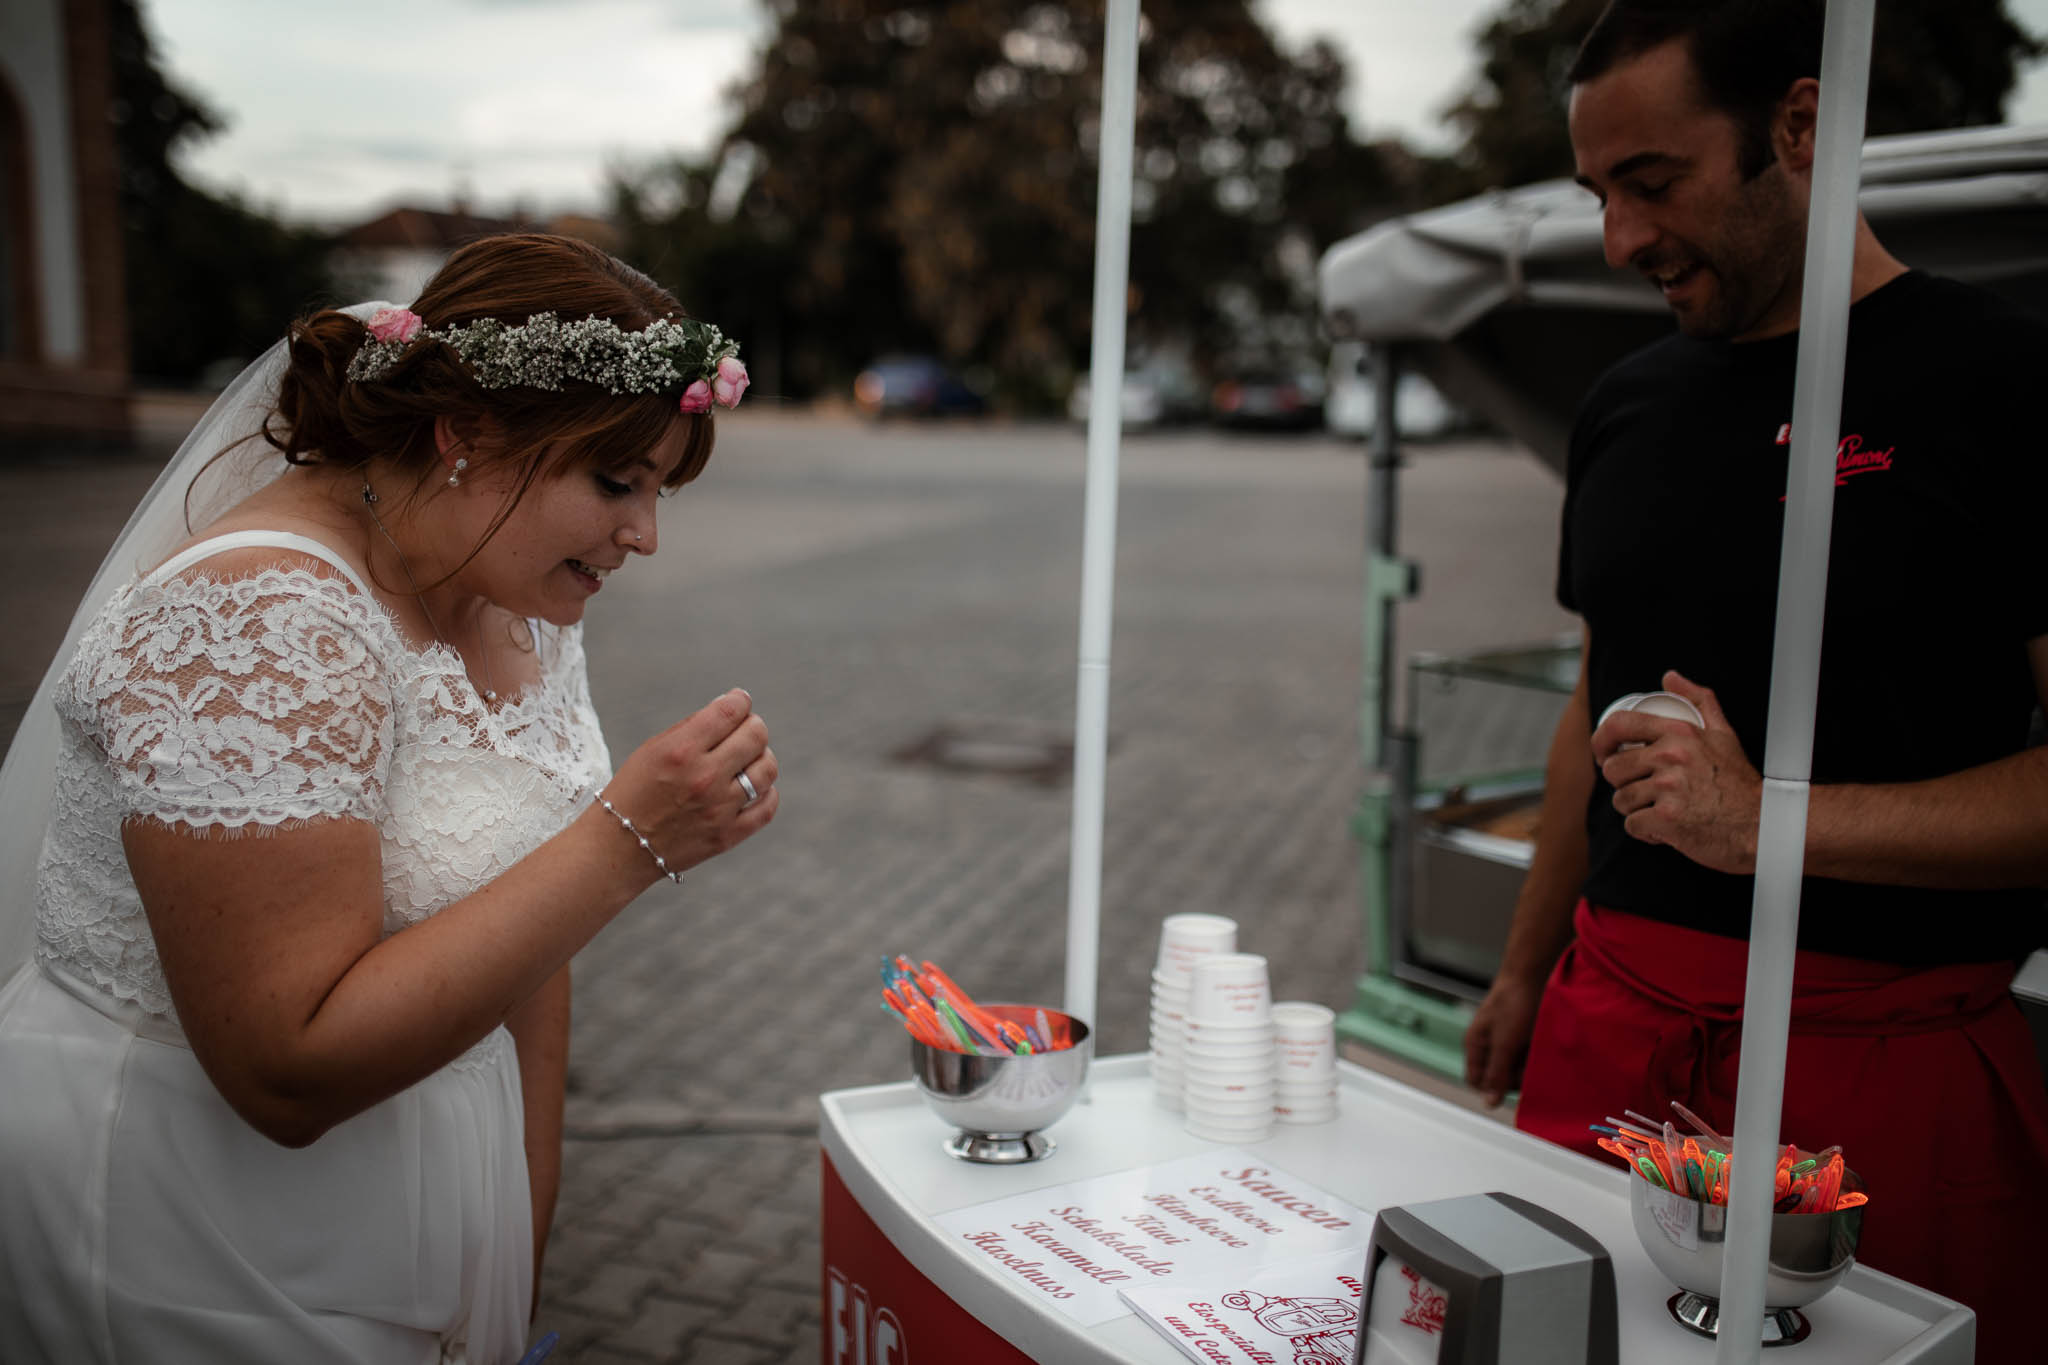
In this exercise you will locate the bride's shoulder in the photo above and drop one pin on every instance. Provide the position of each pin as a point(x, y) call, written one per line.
point(275, 530)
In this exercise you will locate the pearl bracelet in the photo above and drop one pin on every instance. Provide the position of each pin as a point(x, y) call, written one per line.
point(659, 861)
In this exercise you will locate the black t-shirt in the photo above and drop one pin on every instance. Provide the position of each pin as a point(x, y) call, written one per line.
point(1673, 515)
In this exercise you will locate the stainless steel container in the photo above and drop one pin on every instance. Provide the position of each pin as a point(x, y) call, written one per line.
point(999, 1103)
point(1684, 1238)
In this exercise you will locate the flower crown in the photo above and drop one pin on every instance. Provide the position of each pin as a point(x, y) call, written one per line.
point(669, 355)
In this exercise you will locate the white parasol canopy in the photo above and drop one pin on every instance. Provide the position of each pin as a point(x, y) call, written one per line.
point(1507, 304)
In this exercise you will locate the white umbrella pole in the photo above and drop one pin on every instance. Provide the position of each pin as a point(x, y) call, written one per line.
point(1795, 672)
point(1098, 552)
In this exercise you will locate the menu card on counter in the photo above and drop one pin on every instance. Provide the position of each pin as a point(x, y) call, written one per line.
point(1217, 1215)
point(1286, 1314)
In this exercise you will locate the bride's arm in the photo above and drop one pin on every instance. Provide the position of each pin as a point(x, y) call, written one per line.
point(303, 1015)
point(540, 1028)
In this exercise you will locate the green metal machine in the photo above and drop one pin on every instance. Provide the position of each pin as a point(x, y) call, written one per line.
point(1445, 818)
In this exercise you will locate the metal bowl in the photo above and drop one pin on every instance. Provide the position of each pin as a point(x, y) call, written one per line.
point(1684, 1238)
point(999, 1104)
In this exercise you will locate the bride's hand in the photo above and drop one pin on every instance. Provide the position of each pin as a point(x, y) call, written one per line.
point(681, 789)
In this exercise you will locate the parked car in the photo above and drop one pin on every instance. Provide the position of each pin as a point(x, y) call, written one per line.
point(1282, 398)
point(1154, 393)
point(915, 386)
point(1420, 408)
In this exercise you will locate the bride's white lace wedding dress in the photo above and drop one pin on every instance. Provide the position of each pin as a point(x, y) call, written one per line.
point(140, 1218)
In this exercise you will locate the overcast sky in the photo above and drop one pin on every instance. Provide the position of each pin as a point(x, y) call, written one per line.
point(337, 111)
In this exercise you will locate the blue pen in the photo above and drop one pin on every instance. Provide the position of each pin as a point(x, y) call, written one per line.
point(540, 1350)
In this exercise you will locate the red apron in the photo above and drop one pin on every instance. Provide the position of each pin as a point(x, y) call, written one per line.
point(1926, 1078)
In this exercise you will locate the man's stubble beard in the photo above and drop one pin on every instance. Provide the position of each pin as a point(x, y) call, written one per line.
point(1757, 260)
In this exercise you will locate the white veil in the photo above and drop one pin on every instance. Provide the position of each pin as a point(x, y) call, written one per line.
point(158, 524)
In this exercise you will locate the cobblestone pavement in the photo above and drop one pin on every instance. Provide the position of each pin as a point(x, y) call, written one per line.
point(871, 587)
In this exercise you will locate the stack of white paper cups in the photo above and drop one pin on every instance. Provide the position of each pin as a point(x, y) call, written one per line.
point(1305, 1056)
point(1230, 1093)
point(1183, 941)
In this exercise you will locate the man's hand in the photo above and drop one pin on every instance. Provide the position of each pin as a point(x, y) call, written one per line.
point(1497, 1039)
point(1684, 785)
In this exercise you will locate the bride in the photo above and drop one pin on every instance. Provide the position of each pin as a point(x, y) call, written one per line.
point(328, 815)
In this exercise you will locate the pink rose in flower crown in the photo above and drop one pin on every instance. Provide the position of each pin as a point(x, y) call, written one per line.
point(395, 324)
point(697, 398)
point(730, 382)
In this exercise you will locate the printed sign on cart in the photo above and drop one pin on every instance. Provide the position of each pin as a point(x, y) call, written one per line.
point(1295, 1313)
point(1300, 1313)
point(1221, 1213)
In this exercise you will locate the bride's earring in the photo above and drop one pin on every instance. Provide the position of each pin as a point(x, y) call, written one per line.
point(455, 479)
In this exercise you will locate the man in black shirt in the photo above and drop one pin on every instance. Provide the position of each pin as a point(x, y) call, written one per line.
point(1927, 836)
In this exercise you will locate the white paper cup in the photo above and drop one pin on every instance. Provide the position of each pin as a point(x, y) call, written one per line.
point(1305, 1038)
point(1667, 704)
point(1285, 1113)
point(1625, 702)
point(1229, 1108)
point(1231, 989)
point(1231, 1069)
point(1228, 1085)
point(1231, 1053)
point(1308, 1090)
point(1311, 1069)
point(1305, 1062)
point(1186, 938)
point(1303, 1021)
point(1230, 1035)
point(1230, 1135)
point(1221, 1031)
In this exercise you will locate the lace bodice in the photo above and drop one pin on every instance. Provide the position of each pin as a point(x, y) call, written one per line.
point(259, 700)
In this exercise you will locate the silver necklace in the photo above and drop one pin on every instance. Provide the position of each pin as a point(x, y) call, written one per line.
point(490, 694)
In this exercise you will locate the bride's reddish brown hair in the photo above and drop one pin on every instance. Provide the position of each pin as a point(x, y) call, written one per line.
point(321, 417)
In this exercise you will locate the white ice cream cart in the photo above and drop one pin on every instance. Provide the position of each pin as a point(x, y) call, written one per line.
point(931, 1258)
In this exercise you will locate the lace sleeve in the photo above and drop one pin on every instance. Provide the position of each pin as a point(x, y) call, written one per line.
point(233, 699)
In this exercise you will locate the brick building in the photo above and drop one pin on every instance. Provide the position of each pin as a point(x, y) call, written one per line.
point(63, 323)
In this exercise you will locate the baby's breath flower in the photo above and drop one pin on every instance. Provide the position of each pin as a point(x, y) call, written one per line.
point(668, 356)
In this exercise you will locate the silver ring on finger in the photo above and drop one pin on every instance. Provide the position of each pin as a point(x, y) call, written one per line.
point(747, 786)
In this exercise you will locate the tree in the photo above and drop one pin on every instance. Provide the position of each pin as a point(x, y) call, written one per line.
point(1934, 64)
point(922, 175)
point(209, 279)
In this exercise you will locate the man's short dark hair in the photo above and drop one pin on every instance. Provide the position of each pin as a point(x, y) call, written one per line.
point(1747, 54)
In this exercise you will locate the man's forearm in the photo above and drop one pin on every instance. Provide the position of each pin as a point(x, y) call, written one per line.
point(1984, 827)
point(1543, 910)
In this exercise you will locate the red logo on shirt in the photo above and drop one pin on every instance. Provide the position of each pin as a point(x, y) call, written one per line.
point(1850, 456)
